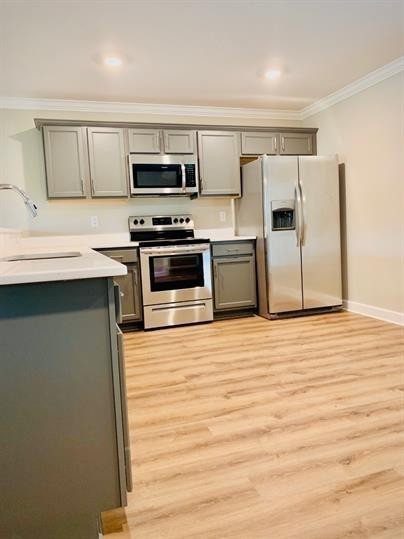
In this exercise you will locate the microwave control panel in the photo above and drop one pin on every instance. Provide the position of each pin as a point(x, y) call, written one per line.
point(190, 176)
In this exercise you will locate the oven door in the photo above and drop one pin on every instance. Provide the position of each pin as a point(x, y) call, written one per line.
point(173, 274)
point(157, 178)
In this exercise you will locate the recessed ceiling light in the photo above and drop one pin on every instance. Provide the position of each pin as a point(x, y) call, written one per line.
point(113, 61)
point(273, 74)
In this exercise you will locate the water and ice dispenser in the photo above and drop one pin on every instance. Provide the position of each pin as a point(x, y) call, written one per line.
point(283, 214)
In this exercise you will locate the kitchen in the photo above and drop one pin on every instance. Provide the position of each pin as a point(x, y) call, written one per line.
point(202, 404)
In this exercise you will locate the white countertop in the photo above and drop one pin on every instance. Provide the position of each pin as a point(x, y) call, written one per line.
point(89, 264)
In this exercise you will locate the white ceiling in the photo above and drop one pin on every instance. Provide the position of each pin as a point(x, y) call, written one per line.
point(194, 52)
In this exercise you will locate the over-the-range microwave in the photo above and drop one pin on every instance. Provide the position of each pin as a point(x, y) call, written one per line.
point(159, 175)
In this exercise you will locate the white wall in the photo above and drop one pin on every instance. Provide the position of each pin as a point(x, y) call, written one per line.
point(366, 132)
point(22, 164)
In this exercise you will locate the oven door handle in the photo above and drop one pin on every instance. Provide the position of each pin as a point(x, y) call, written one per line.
point(162, 251)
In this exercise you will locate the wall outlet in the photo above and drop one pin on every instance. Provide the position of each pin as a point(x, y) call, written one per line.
point(94, 221)
point(222, 216)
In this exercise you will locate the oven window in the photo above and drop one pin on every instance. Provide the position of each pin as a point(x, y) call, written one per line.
point(176, 272)
point(156, 176)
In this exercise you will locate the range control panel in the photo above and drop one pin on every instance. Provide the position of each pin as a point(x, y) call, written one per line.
point(161, 222)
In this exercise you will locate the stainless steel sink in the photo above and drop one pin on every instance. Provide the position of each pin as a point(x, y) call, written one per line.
point(41, 256)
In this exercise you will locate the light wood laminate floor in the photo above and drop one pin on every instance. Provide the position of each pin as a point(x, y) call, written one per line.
point(257, 429)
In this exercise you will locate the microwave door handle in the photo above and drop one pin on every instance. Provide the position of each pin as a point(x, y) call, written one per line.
point(183, 179)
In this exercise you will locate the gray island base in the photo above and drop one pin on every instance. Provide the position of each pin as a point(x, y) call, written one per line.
point(65, 453)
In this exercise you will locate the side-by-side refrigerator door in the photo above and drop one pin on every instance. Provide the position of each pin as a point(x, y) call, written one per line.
point(320, 233)
point(282, 234)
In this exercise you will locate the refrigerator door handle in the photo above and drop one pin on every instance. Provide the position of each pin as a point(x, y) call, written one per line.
point(302, 223)
point(298, 215)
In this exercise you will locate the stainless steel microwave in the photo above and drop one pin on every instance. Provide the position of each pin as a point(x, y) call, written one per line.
point(163, 175)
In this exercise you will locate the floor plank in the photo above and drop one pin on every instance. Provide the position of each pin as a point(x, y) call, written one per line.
point(257, 429)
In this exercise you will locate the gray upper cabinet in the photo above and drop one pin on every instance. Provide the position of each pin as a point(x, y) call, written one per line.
point(106, 151)
point(234, 276)
point(144, 140)
point(179, 141)
point(296, 144)
point(66, 161)
point(259, 143)
point(219, 163)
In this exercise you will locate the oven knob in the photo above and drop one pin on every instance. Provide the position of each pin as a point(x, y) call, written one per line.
point(181, 220)
point(187, 220)
point(135, 222)
point(141, 221)
point(175, 220)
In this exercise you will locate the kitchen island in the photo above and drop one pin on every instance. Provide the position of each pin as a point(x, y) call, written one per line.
point(65, 453)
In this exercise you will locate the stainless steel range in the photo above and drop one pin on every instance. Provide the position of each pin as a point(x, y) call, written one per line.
point(176, 270)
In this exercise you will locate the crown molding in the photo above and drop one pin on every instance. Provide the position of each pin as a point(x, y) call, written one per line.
point(372, 78)
point(70, 105)
point(27, 103)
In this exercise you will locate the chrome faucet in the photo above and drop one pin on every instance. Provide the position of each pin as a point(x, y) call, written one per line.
point(27, 201)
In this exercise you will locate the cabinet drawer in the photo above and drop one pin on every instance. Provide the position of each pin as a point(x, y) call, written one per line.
point(233, 248)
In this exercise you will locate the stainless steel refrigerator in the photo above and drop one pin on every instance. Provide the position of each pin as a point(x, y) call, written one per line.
point(291, 204)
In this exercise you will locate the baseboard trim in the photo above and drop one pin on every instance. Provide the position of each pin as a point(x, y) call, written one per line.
point(394, 317)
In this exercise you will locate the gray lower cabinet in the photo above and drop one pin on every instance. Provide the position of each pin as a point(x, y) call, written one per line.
point(65, 455)
point(106, 152)
point(66, 161)
point(296, 144)
point(130, 284)
point(219, 163)
point(234, 276)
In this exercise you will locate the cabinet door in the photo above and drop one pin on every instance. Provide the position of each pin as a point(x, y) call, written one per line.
point(259, 143)
point(219, 163)
point(177, 141)
point(234, 282)
point(144, 140)
point(66, 162)
point(124, 411)
point(296, 144)
point(106, 151)
point(129, 286)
